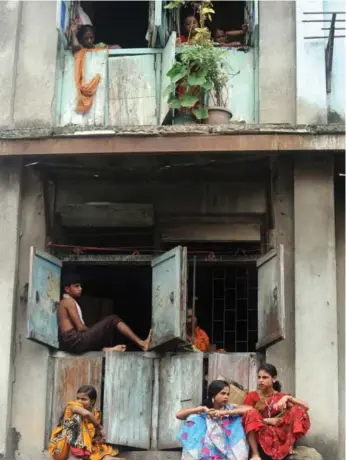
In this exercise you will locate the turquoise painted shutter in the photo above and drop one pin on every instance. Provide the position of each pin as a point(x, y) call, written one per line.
point(63, 16)
point(271, 298)
point(43, 298)
point(181, 385)
point(169, 292)
point(168, 59)
point(127, 404)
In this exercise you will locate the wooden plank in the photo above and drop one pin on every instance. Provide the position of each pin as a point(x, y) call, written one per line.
point(181, 384)
point(241, 91)
point(233, 366)
point(108, 215)
point(43, 298)
point(168, 299)
point(96, 62)
point(71, 373)
point(128, 399)
point(271, 298)
point(132, 90)
point(168, 58)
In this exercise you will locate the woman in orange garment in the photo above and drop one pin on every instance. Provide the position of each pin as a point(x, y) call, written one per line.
point(78, 434)
point(278, 419)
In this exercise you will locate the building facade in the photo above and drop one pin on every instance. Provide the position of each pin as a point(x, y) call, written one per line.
point(118, 193)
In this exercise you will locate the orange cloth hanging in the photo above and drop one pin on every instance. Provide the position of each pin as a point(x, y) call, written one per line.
point(85, 91)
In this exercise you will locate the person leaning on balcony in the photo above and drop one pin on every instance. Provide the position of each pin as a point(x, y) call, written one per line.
point(84, 37)
point(225, 37)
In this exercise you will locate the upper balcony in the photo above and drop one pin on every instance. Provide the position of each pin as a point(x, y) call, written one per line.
point(133, 79)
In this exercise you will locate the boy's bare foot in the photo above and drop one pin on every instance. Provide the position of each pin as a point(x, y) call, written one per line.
point(116, 348)
point(146, 343)
point(255, 457)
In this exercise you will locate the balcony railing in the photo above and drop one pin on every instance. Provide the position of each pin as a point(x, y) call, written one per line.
point(131, 89)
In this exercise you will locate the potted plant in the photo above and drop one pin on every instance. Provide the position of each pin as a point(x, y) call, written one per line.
point(199, 77)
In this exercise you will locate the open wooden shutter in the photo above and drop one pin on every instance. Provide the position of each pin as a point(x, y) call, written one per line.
point(128, 393)
point(181, 384)
point(239, 367)
point(271, 298)
point(168, 58)
point(43, 298)
point(169, 293)
point(69, 374)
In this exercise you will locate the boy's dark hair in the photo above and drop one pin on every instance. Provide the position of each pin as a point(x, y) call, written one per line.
point(71, 278)
point(82, 29)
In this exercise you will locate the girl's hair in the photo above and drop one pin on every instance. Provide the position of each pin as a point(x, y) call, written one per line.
point(271, 370)
point(214, 388)
point(88, 390)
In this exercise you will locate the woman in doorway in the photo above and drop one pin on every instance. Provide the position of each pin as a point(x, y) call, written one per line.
point(214, 430)
point(82, 42)
point(279, 419)
point(78, 434)
point(84, 37)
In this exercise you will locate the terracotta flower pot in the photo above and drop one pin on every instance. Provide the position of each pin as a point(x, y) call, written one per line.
point(218, 116)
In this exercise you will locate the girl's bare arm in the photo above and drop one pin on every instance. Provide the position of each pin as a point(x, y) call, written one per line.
point(183, 414)
point(298, 402)
point(85, 413)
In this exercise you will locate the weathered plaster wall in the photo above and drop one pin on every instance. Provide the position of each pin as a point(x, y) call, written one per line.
point(168, 198)
point(10, 12)
point(10, 170)
point(282, 354)
point(28, 63)
point(31, 359)
point(36, 67)
point(340, 283)
point(316, 351)
point(277, 58)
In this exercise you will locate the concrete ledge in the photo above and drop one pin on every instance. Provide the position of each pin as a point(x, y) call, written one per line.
point(176, 130)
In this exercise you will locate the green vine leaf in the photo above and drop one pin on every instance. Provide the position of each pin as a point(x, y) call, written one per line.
point(188, 100)
point(201, 113)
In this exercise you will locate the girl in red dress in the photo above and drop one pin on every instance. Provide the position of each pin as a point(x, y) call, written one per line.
point(278, 419)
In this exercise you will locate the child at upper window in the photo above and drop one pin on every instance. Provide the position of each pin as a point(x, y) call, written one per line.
point(228, 38)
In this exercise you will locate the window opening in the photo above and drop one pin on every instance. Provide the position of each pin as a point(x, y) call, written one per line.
point(226, 305)
point(116, 289)
point(229, 17)
point(123, 23)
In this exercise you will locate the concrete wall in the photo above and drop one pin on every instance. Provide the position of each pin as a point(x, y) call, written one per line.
point(10, 13)
point(168, 198)
point(277, 58)
point(10, 171)
point(315, 299)
point(31, 359)
point(282, 354)
point(340, 284)
point(28, 63)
